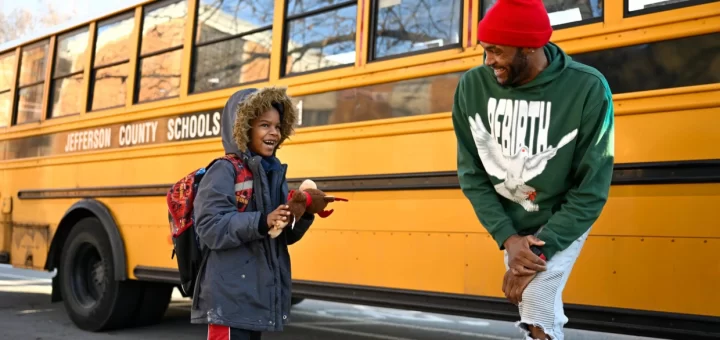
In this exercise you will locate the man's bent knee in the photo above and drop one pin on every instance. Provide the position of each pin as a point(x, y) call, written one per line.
point(541, 317)
point(537, 333)
point(534, 331)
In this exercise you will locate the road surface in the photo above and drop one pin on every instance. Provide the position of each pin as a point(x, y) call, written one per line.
point(26, 313)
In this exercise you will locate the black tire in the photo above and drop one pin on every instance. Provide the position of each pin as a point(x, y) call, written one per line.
point(295, 300)
point(93, 299)
point(153, 303)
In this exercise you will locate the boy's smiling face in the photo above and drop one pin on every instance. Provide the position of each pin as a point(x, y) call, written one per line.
point(265, 133)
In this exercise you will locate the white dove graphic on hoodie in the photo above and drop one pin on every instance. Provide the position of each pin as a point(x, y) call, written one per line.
point(515, 170)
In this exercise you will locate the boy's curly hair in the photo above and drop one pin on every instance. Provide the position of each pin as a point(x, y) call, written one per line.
point(256, 104)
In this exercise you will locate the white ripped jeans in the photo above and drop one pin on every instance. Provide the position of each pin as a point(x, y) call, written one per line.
point(541, 304)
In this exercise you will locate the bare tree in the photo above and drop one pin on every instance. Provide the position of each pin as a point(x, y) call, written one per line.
point(22, 22)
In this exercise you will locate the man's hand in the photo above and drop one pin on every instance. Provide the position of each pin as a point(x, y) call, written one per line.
point(514, 286)
point(521, 259)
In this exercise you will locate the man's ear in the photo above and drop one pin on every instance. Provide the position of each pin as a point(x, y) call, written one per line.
point(528, 51)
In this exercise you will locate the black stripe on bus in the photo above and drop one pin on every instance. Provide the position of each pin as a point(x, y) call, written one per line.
point(155, 274)
point(604, 319)
point(680, 172)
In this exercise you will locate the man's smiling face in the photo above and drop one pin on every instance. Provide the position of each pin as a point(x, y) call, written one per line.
point(509, 63)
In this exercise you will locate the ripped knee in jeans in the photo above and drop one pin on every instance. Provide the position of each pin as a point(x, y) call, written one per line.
point(540, 309)
point(534, 331)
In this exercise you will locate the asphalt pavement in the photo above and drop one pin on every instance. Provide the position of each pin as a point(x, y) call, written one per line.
point(26, 313)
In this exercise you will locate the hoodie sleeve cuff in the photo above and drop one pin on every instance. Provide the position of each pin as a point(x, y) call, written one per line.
point(503, 234)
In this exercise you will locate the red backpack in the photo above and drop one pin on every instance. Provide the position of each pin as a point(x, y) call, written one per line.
point(180, 201)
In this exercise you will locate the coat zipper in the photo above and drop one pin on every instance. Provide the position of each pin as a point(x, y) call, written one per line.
point(275, 271)
point(278, 188)
point(268, 241)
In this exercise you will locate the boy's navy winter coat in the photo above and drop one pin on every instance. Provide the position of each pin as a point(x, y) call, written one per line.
point(245, 281)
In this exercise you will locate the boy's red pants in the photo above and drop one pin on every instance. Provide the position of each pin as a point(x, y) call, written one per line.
point(219, 332)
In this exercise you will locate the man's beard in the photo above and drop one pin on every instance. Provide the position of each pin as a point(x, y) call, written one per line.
point(518, 69)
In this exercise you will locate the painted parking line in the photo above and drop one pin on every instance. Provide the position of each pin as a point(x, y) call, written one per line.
point(406, 326)
point(346, 332)
point(331, 323)
point(23, 277)
point(23, 282)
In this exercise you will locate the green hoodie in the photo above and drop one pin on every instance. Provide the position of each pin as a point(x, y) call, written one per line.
point(539, 154)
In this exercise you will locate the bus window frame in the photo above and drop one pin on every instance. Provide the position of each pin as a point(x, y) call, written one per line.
point(372, 34)
point(286, 37)
point(669, 7)
point(53, 77)
point(594, 20)
point(49, 43)
point(140, 56)
point(129, 14)
point(10, 54)
point(196, 45)
point(13, 82)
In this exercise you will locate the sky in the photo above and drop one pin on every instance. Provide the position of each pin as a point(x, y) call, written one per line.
point(84, 10)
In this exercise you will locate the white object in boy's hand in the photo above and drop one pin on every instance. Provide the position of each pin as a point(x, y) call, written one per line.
point(276, 230)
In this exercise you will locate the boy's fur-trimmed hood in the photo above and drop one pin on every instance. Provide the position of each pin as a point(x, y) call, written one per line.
point(246, 105)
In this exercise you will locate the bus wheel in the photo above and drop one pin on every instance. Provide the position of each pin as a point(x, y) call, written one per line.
point(295, 300)
point(93, 299)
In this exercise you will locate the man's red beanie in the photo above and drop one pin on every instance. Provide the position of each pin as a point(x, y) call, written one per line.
point(518, 23)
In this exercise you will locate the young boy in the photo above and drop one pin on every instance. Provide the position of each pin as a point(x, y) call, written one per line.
point(244, 283)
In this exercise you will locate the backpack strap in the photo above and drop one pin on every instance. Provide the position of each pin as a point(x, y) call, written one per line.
point(232, 158)
point(235, 160)
point(240, 172)
point(243, 181)
point(213, 162)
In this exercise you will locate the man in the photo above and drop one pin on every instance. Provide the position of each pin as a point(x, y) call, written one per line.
point(535, 156)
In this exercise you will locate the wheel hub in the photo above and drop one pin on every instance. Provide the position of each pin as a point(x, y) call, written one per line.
point(88, 275)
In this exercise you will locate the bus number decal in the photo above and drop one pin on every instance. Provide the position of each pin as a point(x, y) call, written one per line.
point(299, 107)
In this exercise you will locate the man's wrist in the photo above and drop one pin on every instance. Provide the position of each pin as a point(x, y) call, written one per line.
point(509, 240)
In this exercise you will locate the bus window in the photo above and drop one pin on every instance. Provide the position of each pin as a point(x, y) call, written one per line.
point(7, 76)
point(241, 29)
point(67, 82)
point(408, 97)
point(567, 12)
point(665, 64)
point(160, 61)
point(320, 36)
point(638, 7)
point(111, 64)
point(406, 26)
point(31, 82)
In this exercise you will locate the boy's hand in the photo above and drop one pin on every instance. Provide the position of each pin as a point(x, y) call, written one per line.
point(278, 218)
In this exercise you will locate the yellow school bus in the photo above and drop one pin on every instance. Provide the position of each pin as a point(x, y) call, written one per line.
point(98, 120)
